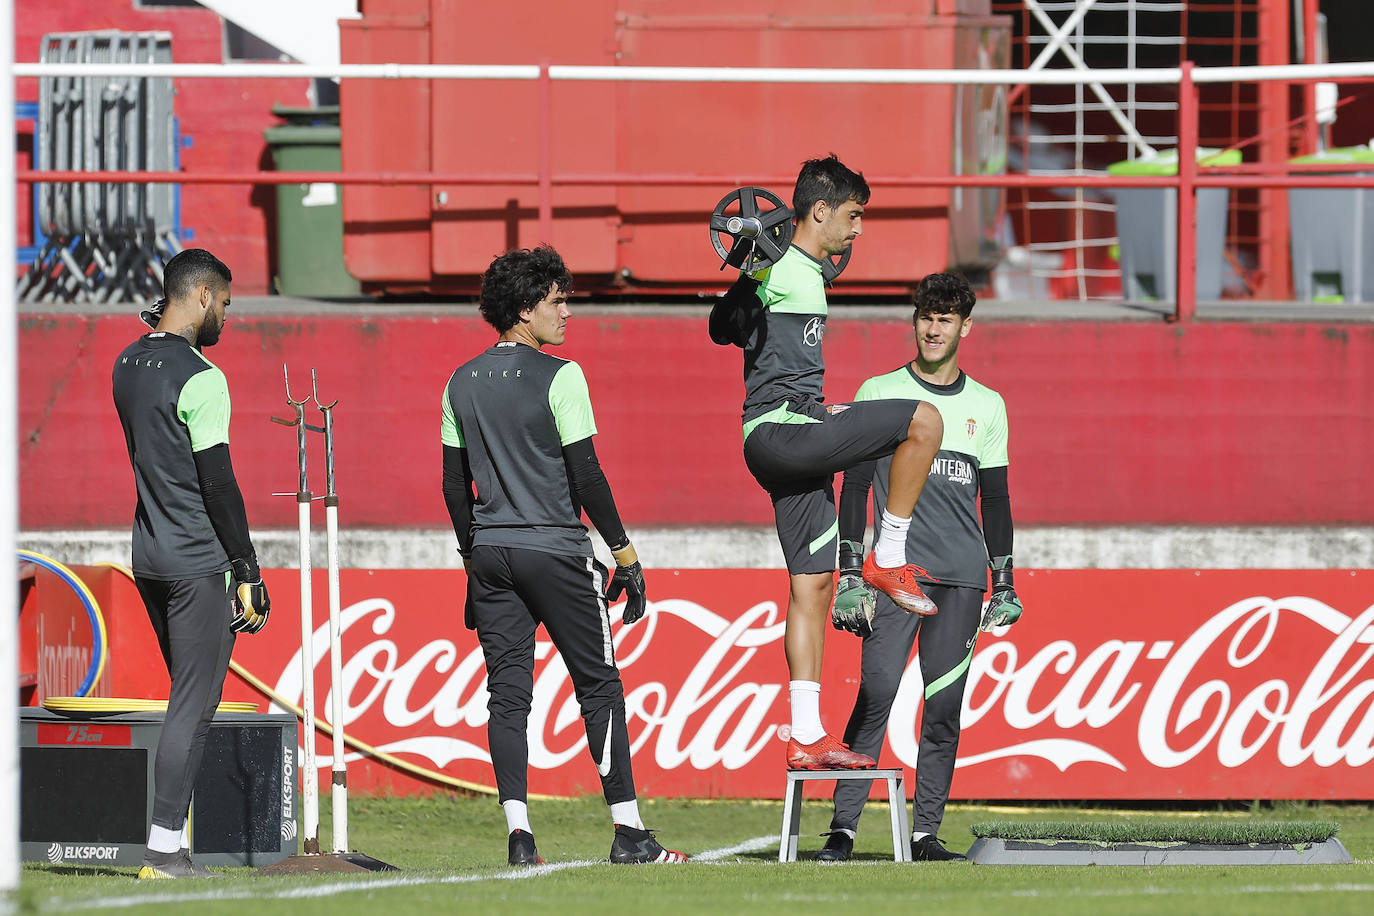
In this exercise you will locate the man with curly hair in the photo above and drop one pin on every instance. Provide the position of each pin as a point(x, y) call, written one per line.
point(517, 425)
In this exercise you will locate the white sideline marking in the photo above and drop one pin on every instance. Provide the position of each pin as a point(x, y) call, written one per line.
point(314, 891)
point(754, 845)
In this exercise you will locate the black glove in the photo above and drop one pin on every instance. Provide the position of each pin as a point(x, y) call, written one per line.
point(734, 315)
point(1004, 608)
point(153, 313)
point(628, 579)
point(251, 604)
point(855, 604)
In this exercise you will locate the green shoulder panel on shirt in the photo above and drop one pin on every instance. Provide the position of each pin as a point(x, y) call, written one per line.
point(203, 406)
point(994, 451)
point(571, 404)
point(897, 384)
point(976, 404)
point(793, 285)
point(450, 432)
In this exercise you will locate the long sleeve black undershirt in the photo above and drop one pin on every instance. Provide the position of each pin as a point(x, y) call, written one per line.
point(994, 499)
point(854, 501)
point(593, 492)
point(458, 495)
point(224, 505)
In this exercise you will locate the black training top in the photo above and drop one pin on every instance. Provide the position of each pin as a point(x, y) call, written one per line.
point(513, 408)
point(783, 362)
point(172, 403)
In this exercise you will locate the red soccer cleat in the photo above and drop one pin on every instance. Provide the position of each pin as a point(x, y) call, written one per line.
point(826, 754)
point(899, 584)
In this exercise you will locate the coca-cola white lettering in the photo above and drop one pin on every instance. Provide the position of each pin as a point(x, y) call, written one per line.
point(736, 724)
point(1209, 696)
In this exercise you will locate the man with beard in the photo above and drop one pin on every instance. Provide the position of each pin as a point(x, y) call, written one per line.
point(193, 559)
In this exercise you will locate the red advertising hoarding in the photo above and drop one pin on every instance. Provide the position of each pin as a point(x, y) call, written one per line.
point(1116, 684)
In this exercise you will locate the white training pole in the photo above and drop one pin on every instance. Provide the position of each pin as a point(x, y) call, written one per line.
point(336, 691)
point(310, 805)
point(9, 483)
point(338, 769)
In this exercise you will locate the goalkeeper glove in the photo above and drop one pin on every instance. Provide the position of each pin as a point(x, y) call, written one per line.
point(628, 579)
point(1004, 608)
point(251, 604)
point(855, 604)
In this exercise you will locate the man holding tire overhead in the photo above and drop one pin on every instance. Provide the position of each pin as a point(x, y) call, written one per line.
point(794, 443)
point(517, 424)
point(193, 559)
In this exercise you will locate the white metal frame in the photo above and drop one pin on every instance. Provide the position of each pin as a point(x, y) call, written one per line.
point(9, 483)
point(1105, 76)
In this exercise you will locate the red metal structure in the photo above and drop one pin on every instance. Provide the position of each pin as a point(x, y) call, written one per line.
point(651, 234)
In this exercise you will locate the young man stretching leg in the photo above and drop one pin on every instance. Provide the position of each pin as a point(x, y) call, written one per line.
point(794, 443)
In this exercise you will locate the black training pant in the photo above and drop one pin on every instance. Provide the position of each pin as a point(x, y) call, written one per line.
point(946, 648)
point(191, 620)
point(514, 590)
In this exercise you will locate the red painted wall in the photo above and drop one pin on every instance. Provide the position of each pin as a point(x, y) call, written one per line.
point(1133, 423)
point(224, 119)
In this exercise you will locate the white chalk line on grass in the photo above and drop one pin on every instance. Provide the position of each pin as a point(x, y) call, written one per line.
point(313, 891)
point(1239, 890)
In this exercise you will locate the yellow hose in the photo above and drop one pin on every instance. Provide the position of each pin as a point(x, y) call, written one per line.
point(389, 759)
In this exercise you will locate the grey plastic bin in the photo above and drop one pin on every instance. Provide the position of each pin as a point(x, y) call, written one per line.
point(1332, 235)
point(1147, 229)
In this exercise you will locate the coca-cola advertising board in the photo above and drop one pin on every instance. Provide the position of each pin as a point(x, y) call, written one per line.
point(1115, 684)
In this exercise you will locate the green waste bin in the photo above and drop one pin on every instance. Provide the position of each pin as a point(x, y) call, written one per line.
point(309, 216)
point(1332, 235)
point(1147, 229)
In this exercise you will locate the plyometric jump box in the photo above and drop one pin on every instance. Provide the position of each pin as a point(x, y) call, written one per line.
point(86, 788)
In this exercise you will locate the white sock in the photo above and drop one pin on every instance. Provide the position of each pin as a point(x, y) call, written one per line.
point(845, 831)
point(891, 549)
point(806, 711)
point(917, 835)
point(160, 839)
point(517, 816)
point(186, 833)
point(626, 814)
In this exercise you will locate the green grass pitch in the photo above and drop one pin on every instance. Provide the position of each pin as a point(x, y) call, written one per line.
point(453, 852)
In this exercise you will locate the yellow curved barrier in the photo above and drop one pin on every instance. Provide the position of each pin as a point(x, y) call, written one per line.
point(92, 607)
point(129, 704)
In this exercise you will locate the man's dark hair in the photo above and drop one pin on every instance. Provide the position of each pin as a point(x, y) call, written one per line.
point(192, 268)
point(829, 180)
point(519, 280)
point(942, 294)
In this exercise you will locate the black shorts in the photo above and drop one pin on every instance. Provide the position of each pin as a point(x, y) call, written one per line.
point(796, 457)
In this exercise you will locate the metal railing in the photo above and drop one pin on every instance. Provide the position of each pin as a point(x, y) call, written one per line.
point(1187, 181)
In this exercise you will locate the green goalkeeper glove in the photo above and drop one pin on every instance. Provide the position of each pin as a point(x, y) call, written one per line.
point(1004, 608)
point(855, 603)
